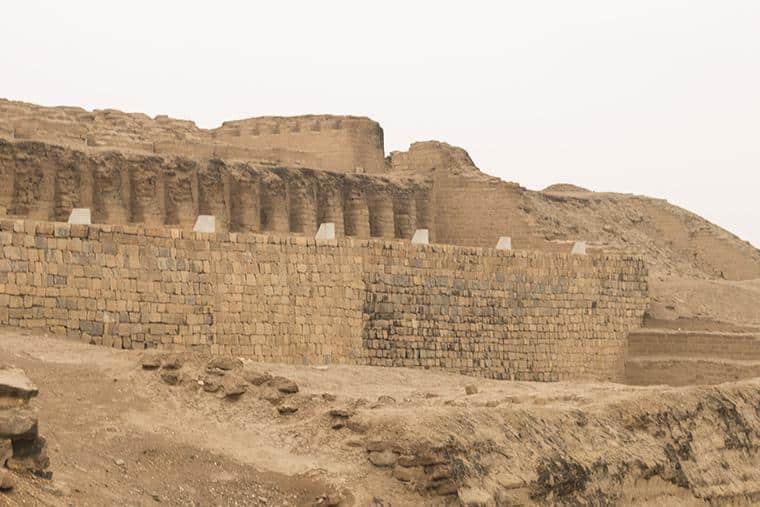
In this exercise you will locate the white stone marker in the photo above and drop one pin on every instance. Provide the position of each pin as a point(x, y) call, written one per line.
point(80, 216)
point(579, 248)
point(421, 237)
point(326, 231)
point(205, 223)
point(505, 243)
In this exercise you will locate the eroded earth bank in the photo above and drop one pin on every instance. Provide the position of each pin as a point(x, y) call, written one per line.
point(128, 428)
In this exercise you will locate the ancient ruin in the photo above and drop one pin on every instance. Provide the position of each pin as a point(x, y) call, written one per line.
point(254, 263)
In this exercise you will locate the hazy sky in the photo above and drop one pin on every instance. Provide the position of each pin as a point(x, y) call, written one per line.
point(657, 97)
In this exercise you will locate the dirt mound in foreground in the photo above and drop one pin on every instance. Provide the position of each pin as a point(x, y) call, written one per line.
point(374, 436)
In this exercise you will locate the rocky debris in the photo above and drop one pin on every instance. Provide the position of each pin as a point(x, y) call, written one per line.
point(171, 377)
point(287, 409)
point(56, 488)
point(173, 362)
point(273, 396)
point(339, 417)
point(18, 424)
point(21, 447)
point(408, 474)
point(225, 363)
point(15, 387)
point(284, 385)
point(209, 385)
point(329, 500)
point(386, 458)
point(256, 378)
point(233, 390)
point(471, 389)
point(6, 480)
point(342, 413)
point(151, 362)
point(425, 468)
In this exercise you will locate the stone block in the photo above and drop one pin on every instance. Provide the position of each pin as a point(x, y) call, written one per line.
point(80, 216)
point(326, 231)
point(205, 223)
point(579, 248)
point(421, 237)
point(504, 243)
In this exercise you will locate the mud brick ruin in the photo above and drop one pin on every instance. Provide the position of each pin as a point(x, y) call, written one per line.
point(262, 287)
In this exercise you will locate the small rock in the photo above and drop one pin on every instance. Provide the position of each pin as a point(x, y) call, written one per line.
point(474, 497)
point(234, 391)
point(445, 488)
point(376, 445)
point(225, 363)
point(14, 384)
point(30, 456)
point(330, 500)
point(329, 397)
point(408, 474)
point(338, 424)
point(284, 385)
point(273, 396)
point(172, 377)
point(342, 413)
point(440, 472)
point(17, 424)
point(210, 386)
point(6, 480)
point(492, 404)
point(56, 488)
point(256, 378)
point(357, 426)
point(383, 458)
point(471, 389)
point(151, 362)
point(119, 462)
point(173, 362)
point(6, 451)
point(287, 409)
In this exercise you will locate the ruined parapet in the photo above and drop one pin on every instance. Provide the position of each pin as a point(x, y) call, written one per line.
point(275, 216)
point(47, 182)
point(355, 210)
point(71, 188)
point(213, 193)
point(405, 214)
point(302, 202)
point(147, 193)
point(325, 142)
point(245, 199)
point(179, 194)
point(330, 202)
point(110, 176)
point(431, 156)
point(424, 206)
point(380, 208)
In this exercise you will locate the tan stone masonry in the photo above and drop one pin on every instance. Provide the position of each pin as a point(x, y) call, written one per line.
point(522, 315)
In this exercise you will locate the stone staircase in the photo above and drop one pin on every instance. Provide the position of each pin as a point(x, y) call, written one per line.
point(692, 353)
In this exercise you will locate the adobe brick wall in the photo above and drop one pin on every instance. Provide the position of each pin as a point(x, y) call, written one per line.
point(522, 315)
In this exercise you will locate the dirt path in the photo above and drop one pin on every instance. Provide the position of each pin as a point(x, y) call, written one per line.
point(87, 399)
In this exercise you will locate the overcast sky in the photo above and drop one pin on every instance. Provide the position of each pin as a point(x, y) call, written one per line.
point(655, 97)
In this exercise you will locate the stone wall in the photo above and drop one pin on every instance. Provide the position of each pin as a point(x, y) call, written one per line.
point(290, 299)
point(334, 143)
point(44, 182)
